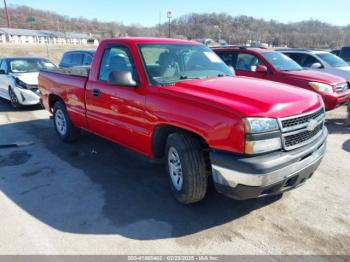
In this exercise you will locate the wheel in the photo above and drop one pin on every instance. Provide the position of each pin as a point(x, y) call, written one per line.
point(13, 98)
point(63, 125)
point(186, 167)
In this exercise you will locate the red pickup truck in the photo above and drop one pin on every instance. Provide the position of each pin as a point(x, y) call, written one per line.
point(271, 65)
point(177, 100)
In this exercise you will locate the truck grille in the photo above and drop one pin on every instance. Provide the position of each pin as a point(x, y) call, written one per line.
point(298, 131)
point(341, 87)
point(301, 138)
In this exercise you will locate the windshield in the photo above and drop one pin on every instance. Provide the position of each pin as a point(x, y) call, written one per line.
point(30, 65)
point(332, 60)
point(171, 63)
point(281, 62)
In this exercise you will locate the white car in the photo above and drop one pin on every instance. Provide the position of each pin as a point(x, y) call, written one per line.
point(19, 79)
point(320, 61)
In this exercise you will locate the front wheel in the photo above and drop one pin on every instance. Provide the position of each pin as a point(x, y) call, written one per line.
point(186, 166)
point(13, 98)
point(63, 125)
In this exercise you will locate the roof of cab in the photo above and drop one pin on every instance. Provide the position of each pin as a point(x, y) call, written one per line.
point(149, 40)
point(242, 48)
point(22, 57)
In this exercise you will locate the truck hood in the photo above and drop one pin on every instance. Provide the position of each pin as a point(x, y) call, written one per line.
point(313, 76)
point(28, 78)
point(249, 96)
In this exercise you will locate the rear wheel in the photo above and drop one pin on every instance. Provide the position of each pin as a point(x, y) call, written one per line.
point(63, 125)
point(186, 166)
point(13, 98)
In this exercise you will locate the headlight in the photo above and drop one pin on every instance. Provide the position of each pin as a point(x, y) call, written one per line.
point(321, 87)
point(20, 84)
point(263, 146)
point(253, 125)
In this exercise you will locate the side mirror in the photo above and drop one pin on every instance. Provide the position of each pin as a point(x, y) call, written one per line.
point(121, 78)
point(261, 69)
point(316, 66)
point(2, 72)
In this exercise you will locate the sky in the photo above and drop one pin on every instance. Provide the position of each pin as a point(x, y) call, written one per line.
point(151, 12)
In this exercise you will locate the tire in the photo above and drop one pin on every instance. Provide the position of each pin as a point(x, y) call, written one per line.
point(13, 99)
point(63, 125)
point(186, 168)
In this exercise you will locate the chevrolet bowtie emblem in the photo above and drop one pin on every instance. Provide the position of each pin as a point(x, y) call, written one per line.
point(312, 125)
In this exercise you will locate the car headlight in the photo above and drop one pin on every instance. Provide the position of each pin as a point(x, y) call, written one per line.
point(253, 125)
point(20, 84)
point(321, 87)
point(263, 146)
point(262, 135)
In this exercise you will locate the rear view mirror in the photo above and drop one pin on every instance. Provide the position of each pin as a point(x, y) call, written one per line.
point(121, 78)
point(316, 66)
point(261, 69)
point(2, 72)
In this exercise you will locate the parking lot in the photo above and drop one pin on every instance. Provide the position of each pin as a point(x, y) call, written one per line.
point(95, 197)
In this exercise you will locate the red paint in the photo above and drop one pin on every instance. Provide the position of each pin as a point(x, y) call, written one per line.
point(211, 108)
point(294, 78)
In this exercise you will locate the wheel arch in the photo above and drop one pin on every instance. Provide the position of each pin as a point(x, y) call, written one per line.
point(163, 131)
point(53, 98)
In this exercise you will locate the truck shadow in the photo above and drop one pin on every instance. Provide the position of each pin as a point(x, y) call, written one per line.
point(337, 126)
point(105, 190)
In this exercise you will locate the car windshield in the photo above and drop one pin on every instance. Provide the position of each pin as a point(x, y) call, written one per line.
point(170, 63)
point(281, 62)
point(30, 65)
point(332, 60)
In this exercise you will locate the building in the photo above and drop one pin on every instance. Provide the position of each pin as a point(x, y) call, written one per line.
point(27, 36)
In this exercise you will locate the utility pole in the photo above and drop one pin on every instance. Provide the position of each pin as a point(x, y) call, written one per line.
point(169, 15)
point(7, 15)
point(348, 116)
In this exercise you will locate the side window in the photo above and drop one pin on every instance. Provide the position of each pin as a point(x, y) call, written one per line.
point(309, 61)
point(247, 62)
point(296, 57)
point(77, 59)
point(116, 59)
point(87, 59)
point(230, 59)
point(304, 60)
point(66, 59)
point(3, 66)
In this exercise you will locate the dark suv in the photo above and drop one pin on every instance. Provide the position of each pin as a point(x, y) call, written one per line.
point(345, 53)
point(77, 58)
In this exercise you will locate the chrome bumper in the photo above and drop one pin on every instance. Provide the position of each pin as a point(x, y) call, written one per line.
point(267, 170)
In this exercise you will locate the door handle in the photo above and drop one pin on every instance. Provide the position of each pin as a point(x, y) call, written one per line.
point(96, 92)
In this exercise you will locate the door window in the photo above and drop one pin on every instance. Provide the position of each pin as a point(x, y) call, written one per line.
point(3, 66)
point(247, 62)
point(116, 59)
point(87, 60)
point(304, 60)
point(77, 59)
point(230, 59)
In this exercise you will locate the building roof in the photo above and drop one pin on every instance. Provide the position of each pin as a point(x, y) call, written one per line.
point(44, 33)
point(25, 32)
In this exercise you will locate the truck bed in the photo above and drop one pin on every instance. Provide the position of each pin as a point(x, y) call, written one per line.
point(73, 71)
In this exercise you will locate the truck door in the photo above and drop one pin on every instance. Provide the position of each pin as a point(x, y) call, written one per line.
point(116, 112)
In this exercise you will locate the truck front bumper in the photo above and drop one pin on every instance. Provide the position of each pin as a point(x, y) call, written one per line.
point(244, 177)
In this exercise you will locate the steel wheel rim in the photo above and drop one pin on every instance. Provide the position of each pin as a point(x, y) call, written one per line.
point(175, 169)
point(61, 122)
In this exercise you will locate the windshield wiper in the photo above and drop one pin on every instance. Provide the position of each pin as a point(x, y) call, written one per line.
point(184, 77)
